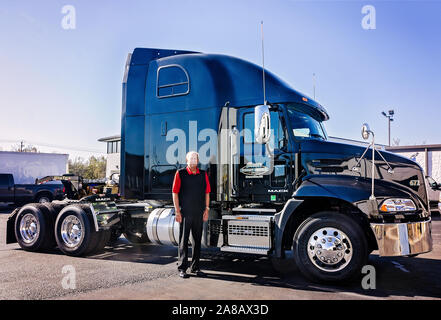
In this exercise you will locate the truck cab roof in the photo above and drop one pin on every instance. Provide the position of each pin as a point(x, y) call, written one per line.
point(207, 81)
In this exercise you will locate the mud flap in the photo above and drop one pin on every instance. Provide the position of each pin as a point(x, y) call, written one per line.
point(10, 226)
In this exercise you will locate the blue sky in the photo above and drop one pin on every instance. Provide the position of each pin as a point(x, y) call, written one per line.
point(63, 87)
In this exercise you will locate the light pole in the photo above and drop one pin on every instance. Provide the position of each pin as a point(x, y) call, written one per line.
point(390, 117)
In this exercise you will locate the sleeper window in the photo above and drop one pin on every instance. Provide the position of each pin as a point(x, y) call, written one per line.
point(172, 81)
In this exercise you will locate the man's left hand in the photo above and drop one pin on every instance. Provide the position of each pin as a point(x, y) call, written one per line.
point(205, 218)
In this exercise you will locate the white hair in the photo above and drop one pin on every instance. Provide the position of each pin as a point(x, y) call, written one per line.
point(189, 154)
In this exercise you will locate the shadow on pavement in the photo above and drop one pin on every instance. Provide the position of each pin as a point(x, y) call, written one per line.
point(397, 277)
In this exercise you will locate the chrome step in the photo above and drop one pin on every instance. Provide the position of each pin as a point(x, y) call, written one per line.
point(252, 250)
point(254, 210)
point(248, 217)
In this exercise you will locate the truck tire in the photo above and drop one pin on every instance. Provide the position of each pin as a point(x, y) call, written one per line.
point(285, 266)
point(55, 208)
point(103, 238)
point(330, 247)
point(74, 231)
point(33, 229)
point(114, 236)
point(43, 198)
point(136, 237)
point(106, 240)
point(50, 222)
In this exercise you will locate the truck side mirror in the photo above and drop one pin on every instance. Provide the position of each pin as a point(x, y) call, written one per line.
point(262, 124)
point(433, 184)
point(365, 131)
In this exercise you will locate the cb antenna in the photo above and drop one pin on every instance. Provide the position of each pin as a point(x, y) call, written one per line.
point(263, 64)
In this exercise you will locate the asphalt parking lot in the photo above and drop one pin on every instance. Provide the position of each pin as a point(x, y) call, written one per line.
point(149, 272)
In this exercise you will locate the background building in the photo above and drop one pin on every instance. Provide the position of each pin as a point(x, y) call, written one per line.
point(113, 154)
point(428, 157)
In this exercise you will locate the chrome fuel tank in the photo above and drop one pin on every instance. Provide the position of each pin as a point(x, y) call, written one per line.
point(162, 227)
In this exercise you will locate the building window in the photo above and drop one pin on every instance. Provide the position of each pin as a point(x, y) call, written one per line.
point(172, 81)
point(113, 146)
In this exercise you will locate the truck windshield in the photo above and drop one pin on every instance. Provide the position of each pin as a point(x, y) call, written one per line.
point(303, 125)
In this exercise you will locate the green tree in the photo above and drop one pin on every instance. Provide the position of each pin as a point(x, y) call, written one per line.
point(77, 166)
point(96, 168)
point(93, 168)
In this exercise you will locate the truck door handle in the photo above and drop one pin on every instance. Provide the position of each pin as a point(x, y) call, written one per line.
point(233, 153)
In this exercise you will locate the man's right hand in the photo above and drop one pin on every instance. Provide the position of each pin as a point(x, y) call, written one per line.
point(178, 217)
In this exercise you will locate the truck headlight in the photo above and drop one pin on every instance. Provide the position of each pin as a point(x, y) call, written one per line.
point(397, 205)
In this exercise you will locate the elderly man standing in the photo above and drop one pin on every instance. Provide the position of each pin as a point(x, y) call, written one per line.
point(191, 198)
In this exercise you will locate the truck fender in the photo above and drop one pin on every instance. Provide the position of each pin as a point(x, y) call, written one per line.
point(348, 189)
point(10, 227)
point(280, 220)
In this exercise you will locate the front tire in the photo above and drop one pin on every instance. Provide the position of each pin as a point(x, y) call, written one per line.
point(330, 247)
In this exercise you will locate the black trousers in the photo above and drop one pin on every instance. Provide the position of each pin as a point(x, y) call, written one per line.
point(194, 225)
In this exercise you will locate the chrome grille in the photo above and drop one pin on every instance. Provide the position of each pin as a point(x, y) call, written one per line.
point(249, 233)
point(246, 230)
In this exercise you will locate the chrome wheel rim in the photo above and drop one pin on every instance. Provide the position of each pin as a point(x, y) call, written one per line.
point(72, 231)
point(330, 249)
point(43, 200)
point(29, 228)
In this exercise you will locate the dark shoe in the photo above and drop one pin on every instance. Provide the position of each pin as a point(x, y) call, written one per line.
point(183, 274)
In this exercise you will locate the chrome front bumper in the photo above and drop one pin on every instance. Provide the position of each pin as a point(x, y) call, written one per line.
point(403, 239)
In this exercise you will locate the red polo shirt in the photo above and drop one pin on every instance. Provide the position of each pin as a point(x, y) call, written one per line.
point(177, 181)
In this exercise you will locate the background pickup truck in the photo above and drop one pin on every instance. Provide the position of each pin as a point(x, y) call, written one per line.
point(25, 193)
point(434, 195)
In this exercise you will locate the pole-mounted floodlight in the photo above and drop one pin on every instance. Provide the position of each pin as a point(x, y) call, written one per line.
point(389, 117)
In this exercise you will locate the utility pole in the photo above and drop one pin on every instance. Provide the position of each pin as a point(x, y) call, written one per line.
point(390, 118)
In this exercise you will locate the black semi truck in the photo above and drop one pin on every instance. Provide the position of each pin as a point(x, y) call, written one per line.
point(278, 183)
